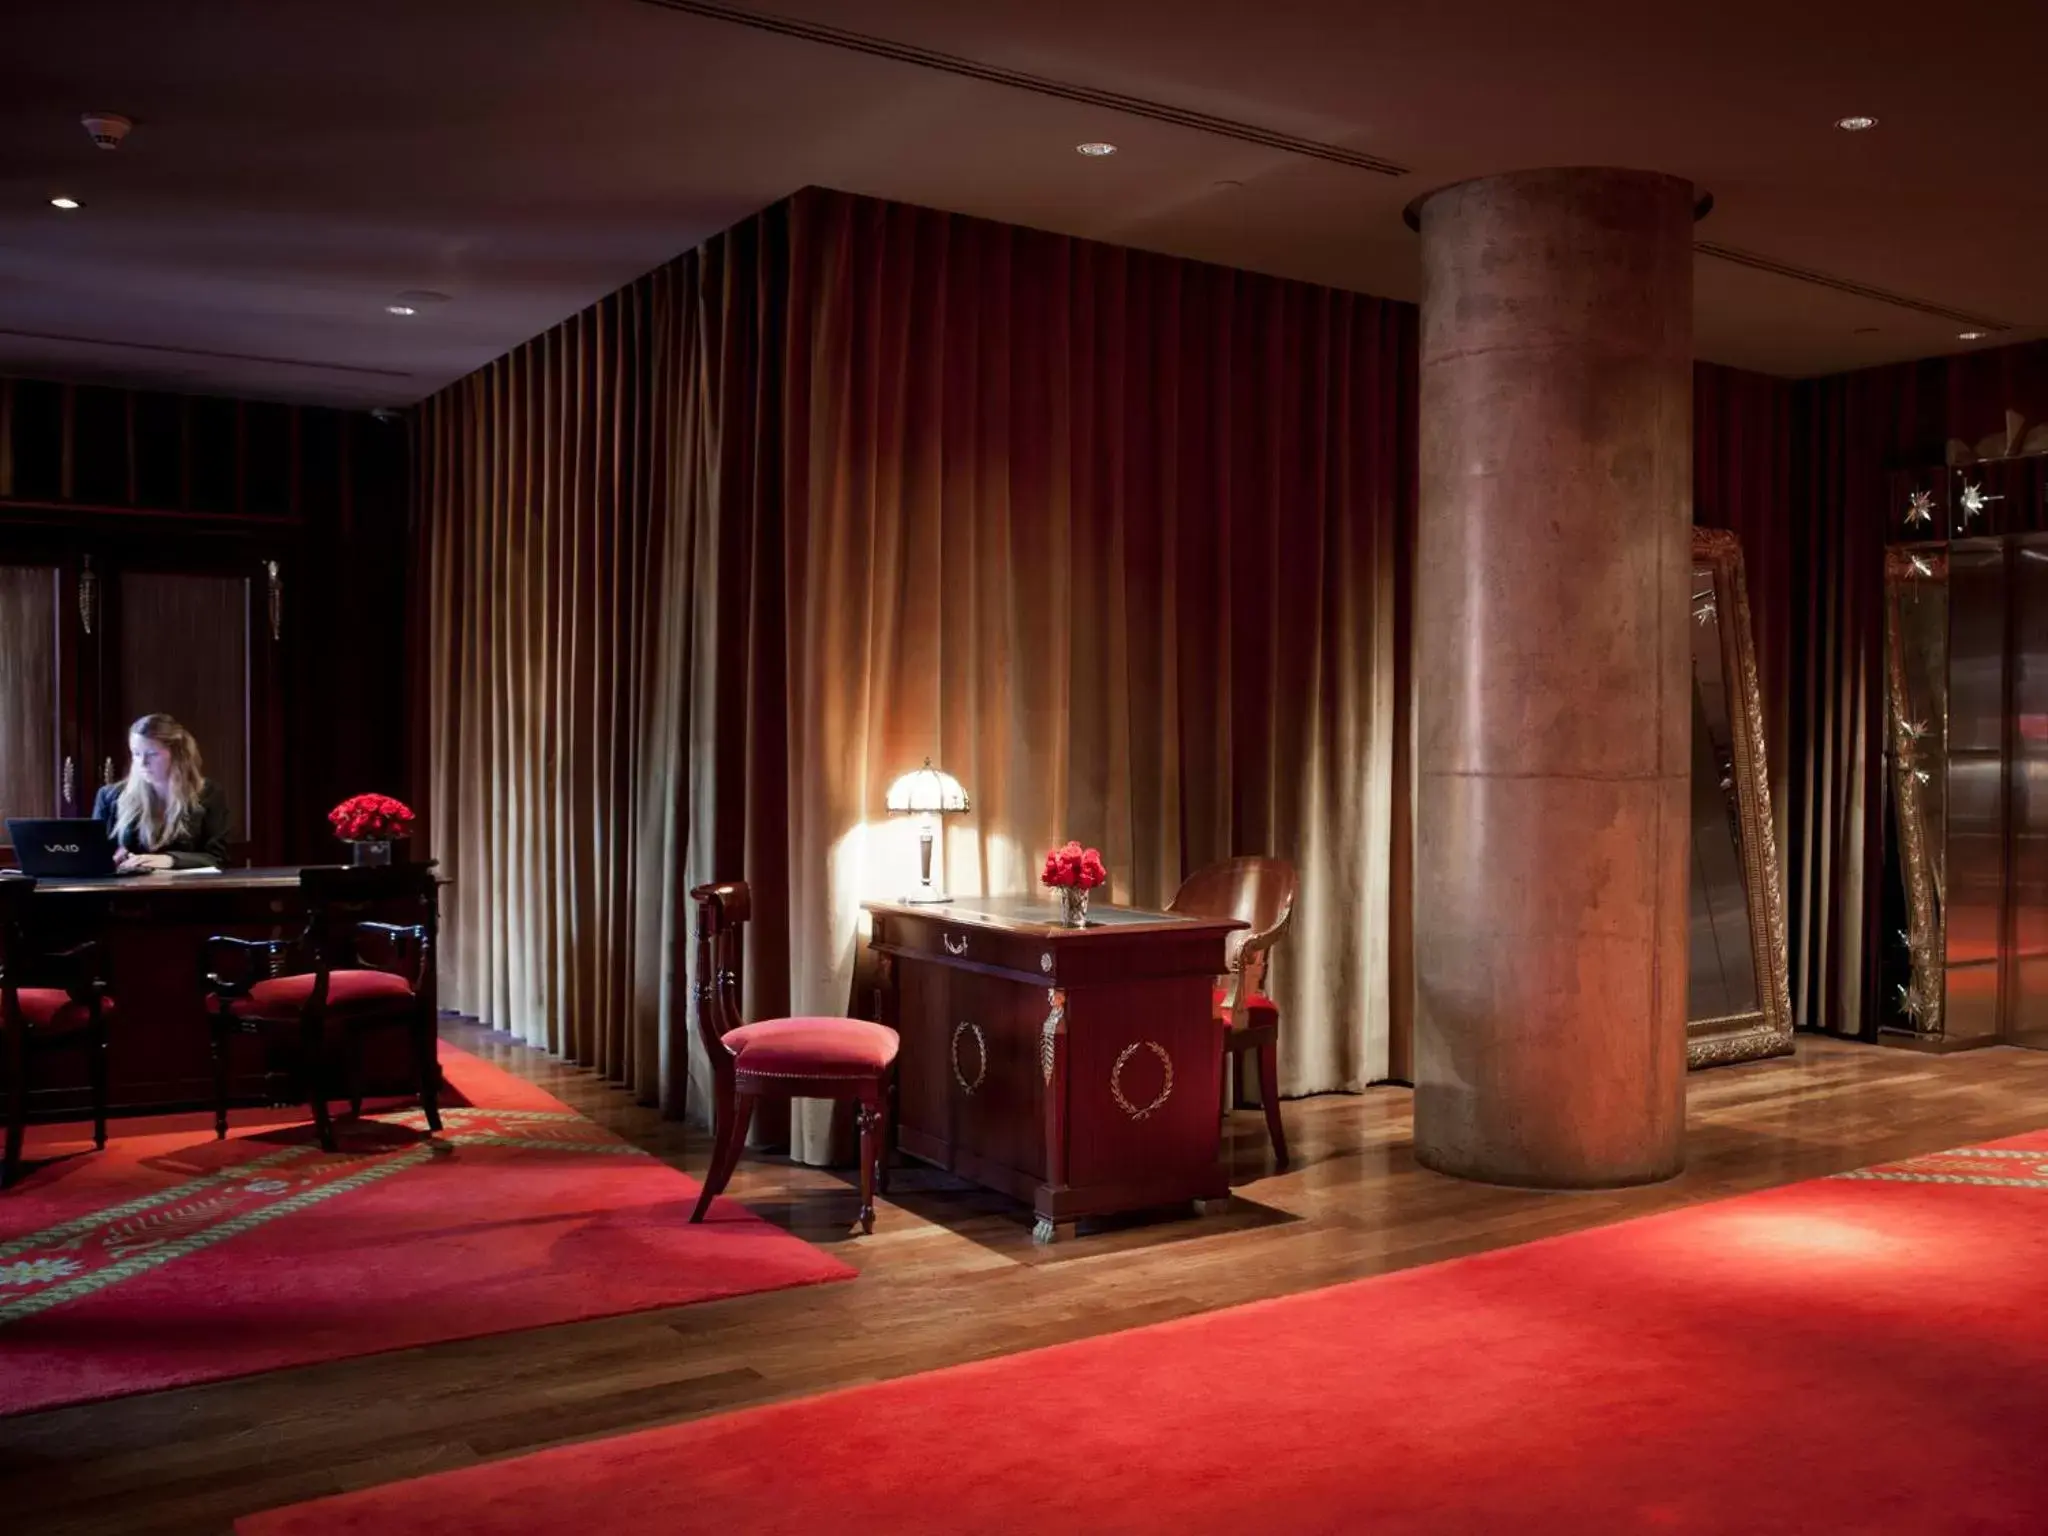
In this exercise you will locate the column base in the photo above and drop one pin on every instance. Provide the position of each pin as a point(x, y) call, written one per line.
point(1477, 1171)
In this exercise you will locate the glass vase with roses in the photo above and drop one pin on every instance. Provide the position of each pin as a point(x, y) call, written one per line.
point(370, 824)
point(1072, 872)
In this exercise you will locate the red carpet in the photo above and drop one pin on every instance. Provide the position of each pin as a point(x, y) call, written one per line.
point(1865, 1354)
point(173, 1258)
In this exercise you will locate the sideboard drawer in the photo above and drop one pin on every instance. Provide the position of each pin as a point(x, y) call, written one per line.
point(964, 942)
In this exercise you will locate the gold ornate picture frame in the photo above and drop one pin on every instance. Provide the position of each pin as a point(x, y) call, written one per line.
point(1721, 612)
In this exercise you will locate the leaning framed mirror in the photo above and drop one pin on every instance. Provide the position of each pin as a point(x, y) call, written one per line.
point(1739, 1004)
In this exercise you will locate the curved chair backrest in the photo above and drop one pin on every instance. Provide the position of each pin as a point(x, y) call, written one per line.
point(721, 910)
point(338, 897)
point(1257, 890)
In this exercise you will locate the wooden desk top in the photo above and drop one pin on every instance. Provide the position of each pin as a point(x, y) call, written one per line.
point(158, 883)
point(1038, 917)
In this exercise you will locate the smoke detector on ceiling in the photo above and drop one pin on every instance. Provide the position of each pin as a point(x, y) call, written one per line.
point(107, 129)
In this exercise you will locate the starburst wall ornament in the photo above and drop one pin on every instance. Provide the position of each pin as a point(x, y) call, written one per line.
point(1975, 501)
point(1920, 510)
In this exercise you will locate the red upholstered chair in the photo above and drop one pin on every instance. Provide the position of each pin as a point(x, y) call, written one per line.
point(814, 1058)
point(1260, 892)
point(39, 1019)
point(342, 976)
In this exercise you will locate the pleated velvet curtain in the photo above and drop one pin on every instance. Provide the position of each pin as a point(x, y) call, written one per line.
point(544, 535)
point(1112, 537)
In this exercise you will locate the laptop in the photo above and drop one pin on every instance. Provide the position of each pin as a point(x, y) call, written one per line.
point(53, 848)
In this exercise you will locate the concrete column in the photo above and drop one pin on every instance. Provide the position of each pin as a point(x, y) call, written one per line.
point(1553, 678)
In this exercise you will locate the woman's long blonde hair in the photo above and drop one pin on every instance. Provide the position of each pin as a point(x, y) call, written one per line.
point(156, 818)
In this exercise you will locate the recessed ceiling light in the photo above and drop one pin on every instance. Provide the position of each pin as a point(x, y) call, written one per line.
point(1855, 124)
point(1969, 335)
point(66, 203)
point(1096, 150)
point(413, 300)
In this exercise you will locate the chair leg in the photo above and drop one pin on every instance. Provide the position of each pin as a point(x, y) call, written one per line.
point(723, 1108)
point(223, 1040)
point(890, 1107)
point(312, 1040)
point(98, 1049)
point(17, 1106)
point(869, 1114)
point(426, 1046)
point(1269, 1095)
point(735, 1116)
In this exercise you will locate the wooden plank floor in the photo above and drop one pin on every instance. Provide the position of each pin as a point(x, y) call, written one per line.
point(949, 1275)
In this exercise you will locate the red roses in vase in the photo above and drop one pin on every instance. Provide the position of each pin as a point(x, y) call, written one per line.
point(1072, 872)
point(372, 823)
point(1074, 865)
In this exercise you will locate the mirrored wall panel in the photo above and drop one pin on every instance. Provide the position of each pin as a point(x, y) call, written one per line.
point(1916, 780)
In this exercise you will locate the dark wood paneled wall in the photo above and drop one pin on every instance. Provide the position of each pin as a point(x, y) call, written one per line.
point(324, 492)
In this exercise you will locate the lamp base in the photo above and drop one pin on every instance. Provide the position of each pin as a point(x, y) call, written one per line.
point(926, 894)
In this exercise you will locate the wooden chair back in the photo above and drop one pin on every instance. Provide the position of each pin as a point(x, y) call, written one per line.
point(722, 909)
point(339, 900)
point(1255, 889)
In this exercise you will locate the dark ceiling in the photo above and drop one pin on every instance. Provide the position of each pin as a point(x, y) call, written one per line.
point(295, 166)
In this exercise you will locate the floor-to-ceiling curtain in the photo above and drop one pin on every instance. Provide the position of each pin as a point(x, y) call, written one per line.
point(1112, 537)
point(1837, 717)
point(544, 528)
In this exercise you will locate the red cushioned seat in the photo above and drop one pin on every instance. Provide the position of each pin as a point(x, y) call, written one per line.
point(812, 1047)
point(1254, 1005)
point(347, 991)
point(51, 1010)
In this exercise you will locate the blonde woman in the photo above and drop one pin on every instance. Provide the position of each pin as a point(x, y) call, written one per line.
point(166, 814)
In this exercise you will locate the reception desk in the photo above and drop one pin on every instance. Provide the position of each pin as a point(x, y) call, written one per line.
point(152, 932)
point(1078, 1070)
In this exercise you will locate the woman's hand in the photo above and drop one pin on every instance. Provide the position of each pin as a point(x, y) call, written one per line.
point(126, 863)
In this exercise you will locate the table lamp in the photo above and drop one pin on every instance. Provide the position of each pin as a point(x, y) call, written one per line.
point(928, 793)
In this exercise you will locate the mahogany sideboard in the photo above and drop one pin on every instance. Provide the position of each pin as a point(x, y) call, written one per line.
point(1076, 1069)
point(152, 931)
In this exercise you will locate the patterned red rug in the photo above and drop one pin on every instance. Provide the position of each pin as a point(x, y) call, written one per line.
point(173, 1258)
point(1861, 1354)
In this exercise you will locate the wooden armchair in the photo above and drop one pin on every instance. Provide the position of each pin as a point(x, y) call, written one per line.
point(342, 973)
point(35, 1020)
point(1258, 891)
point(808, 1058)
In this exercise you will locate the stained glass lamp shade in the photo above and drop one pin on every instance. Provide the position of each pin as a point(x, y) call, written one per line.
point(927, 793)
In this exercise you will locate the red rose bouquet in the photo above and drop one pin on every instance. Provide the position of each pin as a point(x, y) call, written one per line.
point(371, 819)
point(1074, 866)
